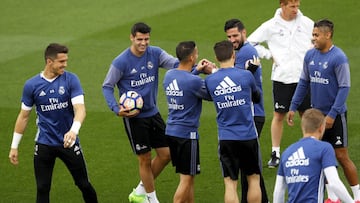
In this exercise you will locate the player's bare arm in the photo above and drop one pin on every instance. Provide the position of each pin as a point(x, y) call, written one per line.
point(79, 116)
point(20, 125)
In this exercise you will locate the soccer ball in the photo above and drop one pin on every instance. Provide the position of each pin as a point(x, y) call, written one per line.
point(131, 100)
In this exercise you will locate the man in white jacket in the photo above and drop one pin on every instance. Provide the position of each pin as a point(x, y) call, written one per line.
point(288, 36)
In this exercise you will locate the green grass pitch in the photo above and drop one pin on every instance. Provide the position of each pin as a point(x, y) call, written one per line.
point(96, 32)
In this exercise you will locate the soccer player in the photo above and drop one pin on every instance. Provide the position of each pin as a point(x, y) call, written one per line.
point(304, 164)
point(59, 101)
point(233, 91)
point(184, 92)
point(246, 53)
point(288, 36)
point(137, 69)
point(326, 73)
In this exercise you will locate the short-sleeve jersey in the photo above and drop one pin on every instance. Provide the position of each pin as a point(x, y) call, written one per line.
point(184, 92)
point(302, 165)
point(54, 109)
point(231, 90)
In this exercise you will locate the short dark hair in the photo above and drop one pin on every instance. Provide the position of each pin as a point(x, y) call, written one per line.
point(185, 49)
point(234, 23)
point(53, 49)
point(325, 25)
point(223, 50)
point(140, 27)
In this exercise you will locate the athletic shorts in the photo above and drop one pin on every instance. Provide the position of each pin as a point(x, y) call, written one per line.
point(282, 95)
point(145, 133)
point(236, 155)
point(184, 155)
point(337, 136)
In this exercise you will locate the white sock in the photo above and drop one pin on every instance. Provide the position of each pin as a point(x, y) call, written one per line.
point(152, 197)
point(140, 190)
point(356, 192)
point(277, 150)
point(331, 194)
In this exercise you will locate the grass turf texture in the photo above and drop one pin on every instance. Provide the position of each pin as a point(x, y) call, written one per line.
point(96, 31)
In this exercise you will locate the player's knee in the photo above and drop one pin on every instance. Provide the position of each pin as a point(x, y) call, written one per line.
point(163, 154)
point(43, 188)
point(279, 117)
point(343, 158)
point(144, 160)
point(164, 158)
point(84, 185)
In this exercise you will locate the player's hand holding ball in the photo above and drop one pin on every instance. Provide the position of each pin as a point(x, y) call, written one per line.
point(130, 103)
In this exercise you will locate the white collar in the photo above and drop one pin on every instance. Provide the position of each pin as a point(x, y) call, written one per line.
point(49, 80)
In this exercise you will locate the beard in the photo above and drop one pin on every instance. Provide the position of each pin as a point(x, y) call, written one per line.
point(240, 45)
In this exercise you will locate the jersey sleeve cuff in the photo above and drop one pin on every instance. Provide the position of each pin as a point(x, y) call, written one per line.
point(24, 107)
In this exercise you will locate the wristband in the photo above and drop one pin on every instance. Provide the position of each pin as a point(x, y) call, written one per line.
point(75, 127)
point(214, 70)
point(16, 140)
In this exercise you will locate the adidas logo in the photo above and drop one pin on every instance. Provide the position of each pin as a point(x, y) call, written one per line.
point(77, 150)
point(42, 93)
point(338, 142)
point(226, 86)
point(173, 89)
point(133, 71)
point(297, 159)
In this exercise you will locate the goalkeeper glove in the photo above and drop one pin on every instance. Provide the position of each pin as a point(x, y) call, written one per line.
point(253, 64)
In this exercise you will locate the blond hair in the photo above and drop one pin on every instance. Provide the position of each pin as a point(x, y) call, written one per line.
point(311, 120)
point(285, 2)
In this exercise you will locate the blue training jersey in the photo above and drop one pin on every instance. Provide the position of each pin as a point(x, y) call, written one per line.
point(140, 74)
point(246, 52)
point(231, 90)
point(184, 93)
point(328, 76)
point(54, 109)
point(302, 165)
